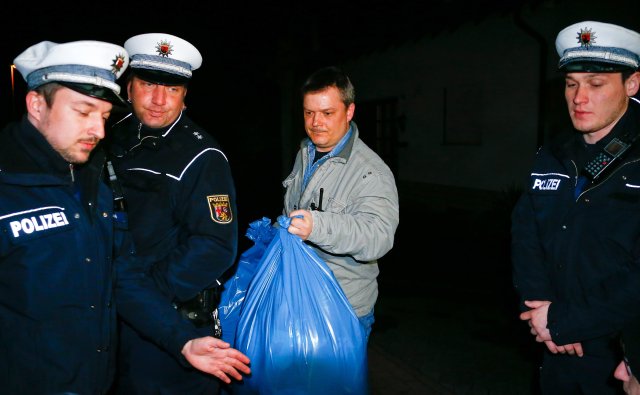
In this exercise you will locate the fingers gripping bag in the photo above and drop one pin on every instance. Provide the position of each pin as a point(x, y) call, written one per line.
point(234, 291)
point(297, 326)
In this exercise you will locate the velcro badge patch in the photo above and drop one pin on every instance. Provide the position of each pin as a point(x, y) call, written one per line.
point(220, 208)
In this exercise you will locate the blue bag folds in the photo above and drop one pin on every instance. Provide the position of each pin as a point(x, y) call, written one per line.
point(297, 326)
point(261, 232)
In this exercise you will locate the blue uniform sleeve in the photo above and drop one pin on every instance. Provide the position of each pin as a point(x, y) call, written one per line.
point(530, 274)
point(140, 303)
point(206, 210)
point(606, 309)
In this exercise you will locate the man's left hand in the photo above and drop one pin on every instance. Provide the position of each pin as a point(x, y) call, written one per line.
point(216, 357)
point(537, 320)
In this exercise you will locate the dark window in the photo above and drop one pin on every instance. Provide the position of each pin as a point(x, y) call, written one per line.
point(379, 124)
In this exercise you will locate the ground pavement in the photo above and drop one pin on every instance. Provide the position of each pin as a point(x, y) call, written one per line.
point(446, 318)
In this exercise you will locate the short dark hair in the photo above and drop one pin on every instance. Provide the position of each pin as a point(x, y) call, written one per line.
point(327, 77)
point(628, 73)
point(130, 74)
point(48, 91)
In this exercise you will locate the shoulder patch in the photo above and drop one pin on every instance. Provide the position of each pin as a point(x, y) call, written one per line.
point(220, 208)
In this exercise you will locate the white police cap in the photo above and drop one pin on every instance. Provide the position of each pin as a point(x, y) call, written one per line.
point(89, 67)
point(592, 46)
point(162, 58)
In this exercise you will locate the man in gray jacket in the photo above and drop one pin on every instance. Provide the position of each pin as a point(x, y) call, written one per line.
point(341, 196)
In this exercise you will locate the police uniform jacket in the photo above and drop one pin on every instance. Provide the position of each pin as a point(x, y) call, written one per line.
point(66, 266)
point(580, 249)
point(359, 217)
point(180, 198)
point(56, 314)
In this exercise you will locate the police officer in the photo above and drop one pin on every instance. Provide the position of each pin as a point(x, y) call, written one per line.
point(58, 250)
point(576, 229)
point(180, 199)
point(56, 315)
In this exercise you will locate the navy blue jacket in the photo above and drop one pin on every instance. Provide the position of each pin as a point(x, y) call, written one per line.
point(62, 255)
point(180, 198)
point(181, 202)
point(581, 250)
point(57, 319)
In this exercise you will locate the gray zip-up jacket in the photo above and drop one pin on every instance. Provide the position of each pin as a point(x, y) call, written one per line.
point(359, 217)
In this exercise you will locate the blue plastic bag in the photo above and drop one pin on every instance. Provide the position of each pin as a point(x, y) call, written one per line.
point(297, 326)
point(261, 232)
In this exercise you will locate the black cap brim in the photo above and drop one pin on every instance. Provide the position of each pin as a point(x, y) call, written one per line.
point(99, 92)
point(594, 67)
point(159, 77)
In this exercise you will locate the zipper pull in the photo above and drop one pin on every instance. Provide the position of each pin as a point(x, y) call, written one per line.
point(73, 178)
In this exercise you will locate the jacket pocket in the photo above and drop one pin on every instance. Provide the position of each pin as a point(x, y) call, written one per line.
point(335, 206)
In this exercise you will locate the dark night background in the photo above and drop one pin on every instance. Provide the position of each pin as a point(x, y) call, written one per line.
point(246, 45)
point(446, 316)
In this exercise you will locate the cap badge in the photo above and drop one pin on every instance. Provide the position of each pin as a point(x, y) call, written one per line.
point(117, 64)
point(164, 48)
point(586, 37)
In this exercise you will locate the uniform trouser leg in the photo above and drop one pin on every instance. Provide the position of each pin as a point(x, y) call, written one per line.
point(145, 369)
point(572, 375)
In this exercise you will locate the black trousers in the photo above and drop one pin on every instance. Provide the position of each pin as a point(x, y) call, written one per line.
point(146, 369)
point(591, 374)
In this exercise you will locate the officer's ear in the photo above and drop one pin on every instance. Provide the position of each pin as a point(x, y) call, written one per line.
point(632, 84)
point(34, 104)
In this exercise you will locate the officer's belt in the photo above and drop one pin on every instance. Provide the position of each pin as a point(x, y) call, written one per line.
point(202, 309)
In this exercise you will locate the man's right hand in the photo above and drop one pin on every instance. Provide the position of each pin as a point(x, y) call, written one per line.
point(301, 223)
point(571, 349)
point(216, 357)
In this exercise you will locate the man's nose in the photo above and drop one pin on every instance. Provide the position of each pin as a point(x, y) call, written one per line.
point(159, 95)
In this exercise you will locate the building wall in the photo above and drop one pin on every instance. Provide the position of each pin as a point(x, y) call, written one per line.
point(470, 117)
point(476, 101)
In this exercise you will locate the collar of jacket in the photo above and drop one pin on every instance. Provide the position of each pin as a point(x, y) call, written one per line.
point(145, 131)
point(27, 158)
point(23, 149)
point(130, 133)
point(348, 147)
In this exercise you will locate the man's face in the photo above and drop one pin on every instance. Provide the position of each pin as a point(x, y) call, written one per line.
point(596, 101)
point(326, 118)
point(156, 105)
point(74, 123)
